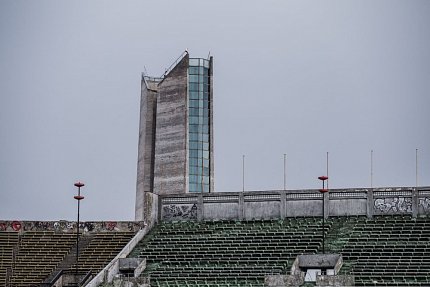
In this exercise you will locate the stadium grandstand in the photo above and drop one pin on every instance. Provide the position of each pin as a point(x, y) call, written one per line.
point(231, 239)
point(185, 234)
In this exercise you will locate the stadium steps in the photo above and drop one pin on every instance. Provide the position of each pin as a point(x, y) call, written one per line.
point(38, 254)
point(384, 251)
point(34, 255)
point(227, 253)
point(101, 250)
point(70, 259)
point(389, 251)
point(8, 242)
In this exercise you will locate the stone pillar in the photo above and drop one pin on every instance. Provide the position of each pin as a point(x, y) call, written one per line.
point(326, 204)
point(241, 206)
point(160, 208)
point(283, 196)
point(370, 204)
point(415, 202)
point(200, 208)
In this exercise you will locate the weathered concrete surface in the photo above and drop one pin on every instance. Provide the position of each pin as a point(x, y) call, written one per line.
point(319, 260)
point(345, 207)
point(294, 203)
point(146, 145)
point(211, 127)
point(62, 226)
point(284, 280)
point(335, 281)
point(129, 264)
point(163, 153)
point(151, 208)
point(262, 210)
point(131, 282)
point(140, 268)
point(213, 210)
point(309, 207)
point(275, 280)
point(170, 166)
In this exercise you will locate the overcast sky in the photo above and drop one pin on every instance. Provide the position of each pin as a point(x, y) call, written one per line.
point(296, 77)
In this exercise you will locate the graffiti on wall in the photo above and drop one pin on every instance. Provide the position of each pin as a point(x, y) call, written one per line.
point(394, 205)
point(183, 211)
point(425, 203)
point(70, 226)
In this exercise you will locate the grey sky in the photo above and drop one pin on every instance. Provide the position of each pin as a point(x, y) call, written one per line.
point(294, 77)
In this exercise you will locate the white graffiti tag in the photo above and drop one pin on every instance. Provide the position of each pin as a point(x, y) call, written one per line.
point(425, 203)
point(394, 205)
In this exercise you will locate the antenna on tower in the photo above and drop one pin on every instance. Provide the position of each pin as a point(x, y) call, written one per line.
point(209, 55)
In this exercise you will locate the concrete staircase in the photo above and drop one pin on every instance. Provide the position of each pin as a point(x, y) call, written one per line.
point(70, 258)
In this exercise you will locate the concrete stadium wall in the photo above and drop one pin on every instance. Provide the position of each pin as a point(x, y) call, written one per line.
point(279, 204)
point(71, 226)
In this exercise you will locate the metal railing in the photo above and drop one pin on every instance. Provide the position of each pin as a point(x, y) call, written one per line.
point(86, 279)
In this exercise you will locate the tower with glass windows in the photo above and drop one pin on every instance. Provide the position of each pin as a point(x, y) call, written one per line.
point(175, 151)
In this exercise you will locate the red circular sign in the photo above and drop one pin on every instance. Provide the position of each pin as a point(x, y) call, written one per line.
point(16, 225)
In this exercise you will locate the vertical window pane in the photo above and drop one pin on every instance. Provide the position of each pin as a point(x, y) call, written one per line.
point(194, 103)
point(194, 62)
point(193, 70)
point(194, 95)
point(206, 163)
point(205, 154)
point(205, 146)
point(194, 86)
point(194, 78)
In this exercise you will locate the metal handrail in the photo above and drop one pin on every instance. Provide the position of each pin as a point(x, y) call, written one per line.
point(53, 280)
point(84, 280)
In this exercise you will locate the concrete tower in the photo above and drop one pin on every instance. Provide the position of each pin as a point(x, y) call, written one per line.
point(175, 152)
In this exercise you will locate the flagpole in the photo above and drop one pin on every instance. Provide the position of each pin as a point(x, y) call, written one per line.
point(285, 175)
point(371, 168)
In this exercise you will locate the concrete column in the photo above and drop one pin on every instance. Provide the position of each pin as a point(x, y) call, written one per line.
point(241, 206)
point(370, 204)
point(326, 204)
point(415, 202)
point(200, 208)
point(283, 196)
point(160, 207)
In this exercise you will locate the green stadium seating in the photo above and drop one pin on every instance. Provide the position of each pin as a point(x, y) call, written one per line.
point(38, 254)
point(225, 253)
point(384, 251)
point(102, 248)
point(33, 255)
